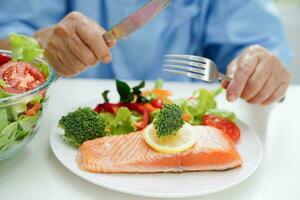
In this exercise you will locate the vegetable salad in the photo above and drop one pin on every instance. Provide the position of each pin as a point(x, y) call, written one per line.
point(137, 108)
point(20, 73)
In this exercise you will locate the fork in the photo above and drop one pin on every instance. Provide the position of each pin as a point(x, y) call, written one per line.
point(193, 66)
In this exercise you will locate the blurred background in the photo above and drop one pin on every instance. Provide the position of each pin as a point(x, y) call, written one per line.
point(290, 13)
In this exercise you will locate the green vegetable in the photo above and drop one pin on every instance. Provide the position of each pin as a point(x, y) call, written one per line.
point(3, 118)
point(2, 83)
point(222, 113)
point(127, 94)
point(121, 123)
point(26, 125)
point(104, 96)
point(196, 106)
point(14, 125)
point(25, 48)
point(8, 136)
point(82, 125)
point(158, 84)
point(44, 68)
point(168, 120)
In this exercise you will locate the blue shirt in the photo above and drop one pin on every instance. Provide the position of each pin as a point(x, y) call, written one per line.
point(217, 29)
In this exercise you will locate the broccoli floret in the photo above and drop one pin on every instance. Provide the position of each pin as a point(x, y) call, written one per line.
point(81, 125)
point(168, 120)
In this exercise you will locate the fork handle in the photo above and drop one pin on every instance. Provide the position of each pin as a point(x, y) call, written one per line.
point(223, 77)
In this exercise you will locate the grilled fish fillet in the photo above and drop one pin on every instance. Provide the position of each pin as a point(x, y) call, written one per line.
point(131, 154)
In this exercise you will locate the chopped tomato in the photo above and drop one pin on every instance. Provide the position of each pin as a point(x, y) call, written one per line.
point(4, 59)
point(227, 126)
point(157, 103)
point(33, 110)
point(20, 77)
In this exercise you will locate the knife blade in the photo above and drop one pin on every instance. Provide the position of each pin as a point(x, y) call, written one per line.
point(136, 20)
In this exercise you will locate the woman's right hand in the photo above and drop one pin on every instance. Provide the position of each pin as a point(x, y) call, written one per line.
point(74, 44)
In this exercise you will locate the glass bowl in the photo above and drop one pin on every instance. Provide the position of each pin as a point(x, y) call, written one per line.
point(18, 127)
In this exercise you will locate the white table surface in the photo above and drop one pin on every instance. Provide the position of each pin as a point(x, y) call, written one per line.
point(36, 174)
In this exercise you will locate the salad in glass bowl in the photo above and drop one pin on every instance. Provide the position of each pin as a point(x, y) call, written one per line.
point(24, 80)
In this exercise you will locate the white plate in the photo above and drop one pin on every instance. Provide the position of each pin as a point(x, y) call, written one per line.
point(164, 185)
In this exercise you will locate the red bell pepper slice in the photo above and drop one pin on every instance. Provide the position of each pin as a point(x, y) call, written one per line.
point(4, 59)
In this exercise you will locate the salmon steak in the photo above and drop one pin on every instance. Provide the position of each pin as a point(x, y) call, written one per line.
point(129, 153)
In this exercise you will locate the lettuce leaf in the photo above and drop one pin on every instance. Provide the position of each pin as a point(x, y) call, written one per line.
point(25, 48)
point(121, 123)
point(8, 136)
point(196, 106)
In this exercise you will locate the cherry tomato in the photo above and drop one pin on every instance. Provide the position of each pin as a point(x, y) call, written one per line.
point(227, 126)
point(157, 103)
point(20, 77)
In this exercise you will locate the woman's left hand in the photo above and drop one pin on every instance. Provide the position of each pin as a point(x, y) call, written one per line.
point(258, 76)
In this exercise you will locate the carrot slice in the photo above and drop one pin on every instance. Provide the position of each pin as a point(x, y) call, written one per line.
point(186, 117)
point(33, 110)
point(149, 107)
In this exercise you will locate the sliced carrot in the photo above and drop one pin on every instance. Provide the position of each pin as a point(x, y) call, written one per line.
point(162, 92)
point(186, 117)
point(149, 107)
point(33, 110)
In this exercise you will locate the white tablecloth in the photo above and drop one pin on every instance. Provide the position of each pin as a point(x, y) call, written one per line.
point(36, 174)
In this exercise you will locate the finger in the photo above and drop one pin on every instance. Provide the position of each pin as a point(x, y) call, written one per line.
point(278, 94)
point(92, 36)
point(246, 65)
point(230, 71)
point(69, 70)
point(80, 50)
point(258, 79)
point(58, 66)
point(68, 58)
point(269, 88)
point(111, 43)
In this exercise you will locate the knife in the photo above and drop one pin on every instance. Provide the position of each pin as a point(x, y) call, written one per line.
point(136, 20)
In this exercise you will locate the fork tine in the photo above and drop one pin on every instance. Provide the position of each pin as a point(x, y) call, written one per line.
point(191, 63)
point(189, 57)
point(184, 73)
point(186, 68)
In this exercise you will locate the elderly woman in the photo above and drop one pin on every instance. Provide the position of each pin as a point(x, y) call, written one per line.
point(244, 38)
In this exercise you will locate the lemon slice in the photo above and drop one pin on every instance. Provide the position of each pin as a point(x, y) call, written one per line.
point(182, 141)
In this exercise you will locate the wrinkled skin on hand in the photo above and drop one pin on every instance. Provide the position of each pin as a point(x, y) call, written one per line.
point(258, 77)
point(75, 43)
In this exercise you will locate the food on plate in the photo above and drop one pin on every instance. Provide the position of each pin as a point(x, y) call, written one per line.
point(182, 140)
point(168, 120)
point(130, 153)
point(82, 125)
point(227, 126)
point(20, 74)
point(147, 131)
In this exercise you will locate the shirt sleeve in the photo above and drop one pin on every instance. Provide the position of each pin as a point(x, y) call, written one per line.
point(27, 16)
point(233, 25)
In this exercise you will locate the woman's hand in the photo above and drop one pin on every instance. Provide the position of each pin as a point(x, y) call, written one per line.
point(258, 76)
point(74, 44)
